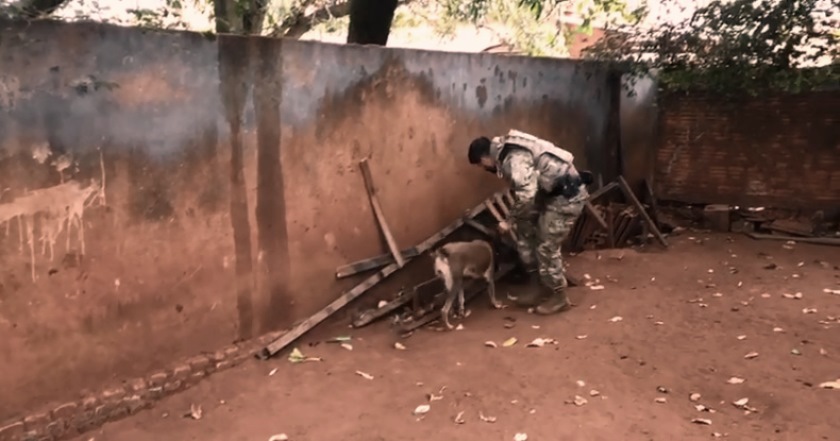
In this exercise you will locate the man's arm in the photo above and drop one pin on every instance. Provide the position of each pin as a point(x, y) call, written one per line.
point(518, 167)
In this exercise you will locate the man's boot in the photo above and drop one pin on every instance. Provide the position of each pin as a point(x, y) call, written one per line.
point(534, 293)
point(556, 302)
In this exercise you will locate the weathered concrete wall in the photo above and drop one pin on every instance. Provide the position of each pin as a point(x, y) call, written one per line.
point(780, 151)
point(216, 182)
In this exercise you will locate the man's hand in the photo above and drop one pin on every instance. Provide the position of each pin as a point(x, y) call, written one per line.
point(503, 227)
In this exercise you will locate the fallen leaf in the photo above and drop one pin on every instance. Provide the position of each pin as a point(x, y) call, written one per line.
point(279, 437)
point(510, 342)
point(694, 397)
point(364, 375)
point(792, 296)
point(539, 342)
point(662, 389)
point(399, 346)
point(832, 291)
point(660, 400)
point(487, 419)
point(831, 384)
point(751, 355)
point(422, 409)
point(535, 326)
point(297, 357)
point(596, 287)
point(381, 304)
point(594, 393)
point(581, 337)
point(735, 380)
point(520, 437)
point(273, 371)
point(741, 403)
point(658, 323)
point(580, 383)
point(347, 346)
point(765, 295)
point(459, 419)
point(616, 319)
point(704, 421)
point(809, 310)
point(742, 337)
point(823, 352)
point(580, 401)
point(778, 329)
point(195, 412)
point(340, 339)
point(460, 327)
point(795, 351)
point(433, 397)
point(490, 344)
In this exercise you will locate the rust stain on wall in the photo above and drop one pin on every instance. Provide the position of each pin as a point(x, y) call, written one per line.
point(780, 151)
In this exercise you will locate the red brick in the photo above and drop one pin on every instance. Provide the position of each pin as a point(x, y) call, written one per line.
point(181, 372)
point(112, 395)
point(199, 363)
point(158, 379)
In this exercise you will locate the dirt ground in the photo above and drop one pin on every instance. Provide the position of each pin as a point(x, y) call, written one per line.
point(688, 318)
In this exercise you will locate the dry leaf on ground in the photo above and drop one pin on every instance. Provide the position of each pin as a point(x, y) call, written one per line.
point(751, 355)
point(510, 342)
point(195, 412)
point(279, 437)
point(694, 397)
point(540, 342)
point(580, 401)
point(486, 418)
point(490, 344)
point(660, 400)
point(704, 421)
point(364, 375)
point(422, 409)
point(520, 437)
point(399, 346)
point(735, 380)
point(459, 419)
point(831, 384)
point(616, 319)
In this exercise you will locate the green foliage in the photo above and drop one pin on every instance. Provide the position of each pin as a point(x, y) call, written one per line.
point(733, 47)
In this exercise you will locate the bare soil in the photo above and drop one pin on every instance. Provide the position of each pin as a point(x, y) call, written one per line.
point(689, 316)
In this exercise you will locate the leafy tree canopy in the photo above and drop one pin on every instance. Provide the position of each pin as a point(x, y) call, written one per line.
point(733, 46)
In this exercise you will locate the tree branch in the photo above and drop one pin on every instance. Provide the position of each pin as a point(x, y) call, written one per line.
point(297, 24)
point(38, 8)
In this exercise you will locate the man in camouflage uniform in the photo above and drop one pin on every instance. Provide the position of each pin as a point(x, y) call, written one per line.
point(549, 196)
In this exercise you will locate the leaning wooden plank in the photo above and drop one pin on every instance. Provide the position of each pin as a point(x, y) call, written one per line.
point(628, 193)
point(594, 213)
point(501, 201)
point(499, 218)
point(602, 191)
point(508, 195)
point(347, 297)
point(404, 298)
point(360, 266)
point(814, 240)
point(470, 292)
point(380, 216)
point(478, 226)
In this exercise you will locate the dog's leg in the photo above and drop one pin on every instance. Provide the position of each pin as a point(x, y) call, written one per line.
point(447, 307)
point(462, 309)
point(490, 278)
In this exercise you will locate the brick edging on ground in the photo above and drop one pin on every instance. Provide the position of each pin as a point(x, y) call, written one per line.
point(114, 403)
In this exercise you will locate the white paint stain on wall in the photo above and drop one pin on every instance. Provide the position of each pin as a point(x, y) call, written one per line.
point(53, 210)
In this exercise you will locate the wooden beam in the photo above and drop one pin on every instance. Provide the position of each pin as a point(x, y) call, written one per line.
point(813, 240)
point(501, 201)
point(478, 226)
point(594, 213)
point(348, 296)
point(371, 263)
point(380, 216)
point(628, 193)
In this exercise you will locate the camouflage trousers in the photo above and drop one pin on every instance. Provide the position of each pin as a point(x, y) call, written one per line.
point(541, 236)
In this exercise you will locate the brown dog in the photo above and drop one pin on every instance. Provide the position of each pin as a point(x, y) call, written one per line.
point(456, 261)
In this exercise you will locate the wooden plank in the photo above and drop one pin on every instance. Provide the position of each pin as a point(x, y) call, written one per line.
point(508, 195)
point(602, 191)
point(498, 216)
point(594, 213)
point(813, 240)
point(405, 297)
point(478, 226)
point(501, 201)
point(628, 193)
point(348, 296)
point(360, 266)
point(470, 292)
point(380, 216)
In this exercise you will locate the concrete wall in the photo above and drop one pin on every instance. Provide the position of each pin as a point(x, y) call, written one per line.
point(780, 151)
point(166, 193)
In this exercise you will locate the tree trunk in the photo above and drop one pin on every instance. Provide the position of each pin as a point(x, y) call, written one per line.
point(370, 21)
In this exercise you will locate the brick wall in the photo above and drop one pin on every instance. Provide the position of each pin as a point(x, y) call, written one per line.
point(780, 151)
